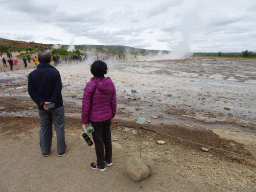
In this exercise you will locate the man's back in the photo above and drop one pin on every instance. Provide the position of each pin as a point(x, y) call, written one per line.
point(44, 84)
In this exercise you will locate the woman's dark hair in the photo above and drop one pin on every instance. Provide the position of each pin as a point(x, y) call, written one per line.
point(99, 68)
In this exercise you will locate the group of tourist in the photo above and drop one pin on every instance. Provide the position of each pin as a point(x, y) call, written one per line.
point(75, 58)
point(11, 62)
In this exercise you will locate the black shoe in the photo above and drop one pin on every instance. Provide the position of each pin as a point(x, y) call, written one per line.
point(61, 154)
point(109, 163)
point(46, 154)
point(95, 167)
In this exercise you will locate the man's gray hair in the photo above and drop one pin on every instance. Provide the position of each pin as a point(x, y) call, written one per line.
point(44, 57)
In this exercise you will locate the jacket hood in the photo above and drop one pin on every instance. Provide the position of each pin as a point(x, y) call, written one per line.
point(106, 86)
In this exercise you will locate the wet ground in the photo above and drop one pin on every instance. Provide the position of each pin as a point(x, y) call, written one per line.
point(209, 90)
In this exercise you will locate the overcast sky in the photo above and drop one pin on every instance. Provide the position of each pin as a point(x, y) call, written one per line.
point(191, 25)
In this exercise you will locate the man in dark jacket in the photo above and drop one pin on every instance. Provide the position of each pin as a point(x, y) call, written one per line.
point(25, 61)
point(44, 87)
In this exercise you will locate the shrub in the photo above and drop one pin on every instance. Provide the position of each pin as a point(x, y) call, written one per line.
point(246, 53)
point(4, 48)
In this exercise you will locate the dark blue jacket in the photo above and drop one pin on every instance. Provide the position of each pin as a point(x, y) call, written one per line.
point(44, 84)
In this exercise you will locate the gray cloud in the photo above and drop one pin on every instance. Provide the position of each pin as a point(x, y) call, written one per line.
point(89, 17)
point(52, 39)
point(170, 29)
point(163, 7)
point(226, 21)
point(29, 7)
point(24, 37)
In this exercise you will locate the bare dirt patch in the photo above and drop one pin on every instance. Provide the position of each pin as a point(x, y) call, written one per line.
point(180, 165)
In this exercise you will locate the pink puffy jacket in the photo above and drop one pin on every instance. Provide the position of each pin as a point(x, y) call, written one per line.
point(99, 104)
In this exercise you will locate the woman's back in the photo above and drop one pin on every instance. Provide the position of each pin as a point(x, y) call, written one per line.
point(99, 100)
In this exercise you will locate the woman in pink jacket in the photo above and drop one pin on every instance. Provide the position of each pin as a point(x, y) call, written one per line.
point(99, 107)
point(15, 63)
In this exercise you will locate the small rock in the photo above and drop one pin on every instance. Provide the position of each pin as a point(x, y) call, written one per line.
point(134, 90)
point(150, 104)
point(154, 117)
point(127, 129)
point(169, 95)
point(137, 109)
point(205, 149)
point(18, 116)
point(160, 142)
point(232, 144)
point(148, 121)
point(226, 108)
point(134, 132)
point(115, 122)
point(114, 139)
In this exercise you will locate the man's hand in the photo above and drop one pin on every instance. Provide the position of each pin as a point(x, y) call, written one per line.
point(86, 125)
point(45, 103)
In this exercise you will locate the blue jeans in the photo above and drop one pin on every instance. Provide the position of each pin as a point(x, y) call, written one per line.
point(55, 116)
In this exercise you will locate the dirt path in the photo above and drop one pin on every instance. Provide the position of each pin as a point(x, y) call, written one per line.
point(179, 166)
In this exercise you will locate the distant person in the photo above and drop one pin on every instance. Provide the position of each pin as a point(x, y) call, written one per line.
point(99, 108)
point(58, 59)
point(35, 61)
point(25, 61)
point(55, 60)
point(15, 63)
point(44, 87)
point(8, 55)
point(66, 58)
point(1, 54)
point(28, 58)
point(10, 63)
point(4, 62)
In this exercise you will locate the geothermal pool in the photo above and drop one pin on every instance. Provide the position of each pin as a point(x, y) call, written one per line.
point(220, 87)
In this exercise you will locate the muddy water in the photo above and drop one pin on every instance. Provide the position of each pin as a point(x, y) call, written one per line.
point(197, 88)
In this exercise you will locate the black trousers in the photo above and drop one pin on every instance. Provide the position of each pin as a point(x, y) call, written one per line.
point(102, 139)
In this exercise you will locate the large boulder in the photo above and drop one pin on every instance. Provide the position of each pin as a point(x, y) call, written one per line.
point(139, 168)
